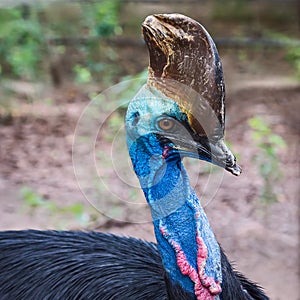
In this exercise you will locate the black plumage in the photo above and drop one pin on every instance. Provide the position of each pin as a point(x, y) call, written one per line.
point(74, 265)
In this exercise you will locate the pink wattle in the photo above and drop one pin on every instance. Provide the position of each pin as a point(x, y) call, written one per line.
point(206, 288)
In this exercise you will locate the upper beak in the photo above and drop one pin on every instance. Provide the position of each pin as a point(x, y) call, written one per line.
point(215, 152)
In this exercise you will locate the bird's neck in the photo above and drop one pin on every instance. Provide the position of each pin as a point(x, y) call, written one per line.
point(188, 248)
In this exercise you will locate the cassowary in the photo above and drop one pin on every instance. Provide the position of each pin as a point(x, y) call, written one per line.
point(178, 113)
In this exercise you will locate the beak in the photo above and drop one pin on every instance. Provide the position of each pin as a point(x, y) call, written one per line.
point(215, 152)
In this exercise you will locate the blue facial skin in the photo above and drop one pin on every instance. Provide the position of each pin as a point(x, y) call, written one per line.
point(166, 186)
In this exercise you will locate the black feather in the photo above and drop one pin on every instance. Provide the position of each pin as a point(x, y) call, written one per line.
point(75, 265)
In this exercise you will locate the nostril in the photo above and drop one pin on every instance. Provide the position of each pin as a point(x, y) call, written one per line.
point(135, 118)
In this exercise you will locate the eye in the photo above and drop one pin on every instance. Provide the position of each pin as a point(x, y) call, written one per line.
point(166, 124)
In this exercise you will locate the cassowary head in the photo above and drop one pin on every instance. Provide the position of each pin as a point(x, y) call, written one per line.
point(180, 112)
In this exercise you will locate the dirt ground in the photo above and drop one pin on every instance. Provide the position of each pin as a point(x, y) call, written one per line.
point(262, 240)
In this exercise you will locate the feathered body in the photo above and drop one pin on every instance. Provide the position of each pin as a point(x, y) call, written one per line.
point(178, 113)
point(72, 265)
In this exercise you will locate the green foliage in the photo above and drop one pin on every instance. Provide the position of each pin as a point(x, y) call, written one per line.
point(32, 198)
point(34, 201)
point(268, 145)
point(107, 18)
point(27, 32)
point(83, 75)
point(22, 42)
point(293, 56)
point(101, 20)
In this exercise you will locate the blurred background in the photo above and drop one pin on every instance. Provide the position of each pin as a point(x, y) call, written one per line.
point(56, 56)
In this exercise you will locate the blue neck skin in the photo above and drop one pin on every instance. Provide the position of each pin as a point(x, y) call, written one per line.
point(173, 202)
